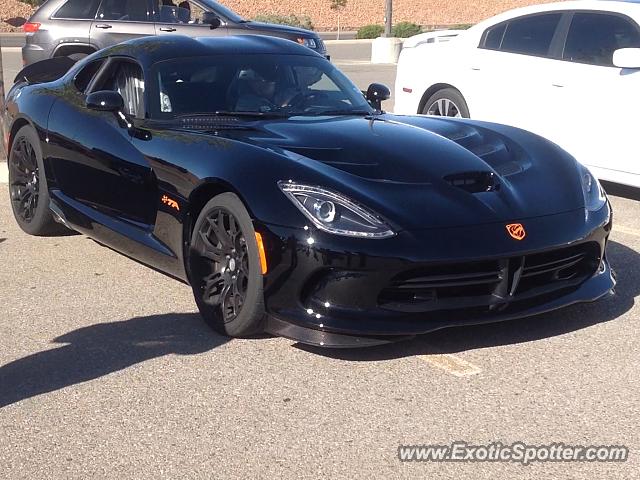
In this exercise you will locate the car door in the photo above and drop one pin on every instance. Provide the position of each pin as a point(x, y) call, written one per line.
point(70, 26)
point(94, 161)
point(595, 102)
point(183, 18)
point(508, 68)
point(121, 20)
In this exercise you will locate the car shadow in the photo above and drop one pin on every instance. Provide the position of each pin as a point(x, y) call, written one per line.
point(98, 350)
point(624, 261)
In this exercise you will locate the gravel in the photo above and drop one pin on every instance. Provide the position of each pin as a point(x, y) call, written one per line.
point(12, 9)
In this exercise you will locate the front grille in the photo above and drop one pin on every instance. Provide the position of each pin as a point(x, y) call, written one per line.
point(492, 284)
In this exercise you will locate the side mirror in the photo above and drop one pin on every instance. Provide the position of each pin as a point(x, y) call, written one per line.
point(105, 101)
point(210, 18)
point(376, 94)
point(627, 58)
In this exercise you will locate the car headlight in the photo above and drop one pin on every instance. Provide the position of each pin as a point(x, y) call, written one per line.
point(594, 195)
point(335, 213)
point(308, 42)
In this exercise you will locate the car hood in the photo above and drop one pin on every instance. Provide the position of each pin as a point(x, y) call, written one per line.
point(284, 29)
point(429, 172)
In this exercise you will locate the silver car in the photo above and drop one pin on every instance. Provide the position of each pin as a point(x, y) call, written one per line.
point(77, 28)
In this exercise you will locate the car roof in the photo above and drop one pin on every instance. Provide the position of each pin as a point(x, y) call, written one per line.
point(630, 8)
point(150, 50)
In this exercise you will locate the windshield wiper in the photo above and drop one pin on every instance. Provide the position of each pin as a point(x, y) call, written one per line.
point(224, 113)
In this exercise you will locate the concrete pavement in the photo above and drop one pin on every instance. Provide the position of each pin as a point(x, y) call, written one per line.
point(106, 371)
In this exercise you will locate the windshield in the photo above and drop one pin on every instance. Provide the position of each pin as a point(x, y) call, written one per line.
point(268, 85)
point(222, 11)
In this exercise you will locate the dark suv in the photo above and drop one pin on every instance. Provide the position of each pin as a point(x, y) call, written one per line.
point(78, 28)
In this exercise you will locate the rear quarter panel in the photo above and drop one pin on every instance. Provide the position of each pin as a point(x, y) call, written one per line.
point(27, 105)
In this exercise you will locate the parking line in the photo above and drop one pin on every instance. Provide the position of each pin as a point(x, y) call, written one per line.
point(627, 230)
point(452, 364)
point(4, 172)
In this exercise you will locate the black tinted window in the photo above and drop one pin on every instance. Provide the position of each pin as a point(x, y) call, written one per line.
point(493, 37)
point(124, 10)
point(531, 35)
point(277, 84)
point(594, 37)
point(78, 9)
point(84, 77)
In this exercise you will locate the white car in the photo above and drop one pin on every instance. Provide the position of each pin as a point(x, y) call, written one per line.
point(568, 71)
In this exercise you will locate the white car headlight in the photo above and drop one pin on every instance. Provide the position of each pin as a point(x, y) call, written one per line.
point(335, 213)
point(594, 195)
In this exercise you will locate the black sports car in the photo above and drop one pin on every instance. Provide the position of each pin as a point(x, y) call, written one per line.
point(253, 169)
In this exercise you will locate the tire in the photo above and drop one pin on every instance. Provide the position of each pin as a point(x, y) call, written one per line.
point(447, 99)
point(220, 261)
point(28, 191)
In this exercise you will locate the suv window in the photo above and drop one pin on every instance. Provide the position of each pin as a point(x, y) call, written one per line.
point(531, 35)
point(84, 76)
point(184, 12)
point(593, 37)
point(124, 10)
point(78, 10)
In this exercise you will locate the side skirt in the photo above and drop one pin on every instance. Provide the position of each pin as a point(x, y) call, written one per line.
point(137, 243)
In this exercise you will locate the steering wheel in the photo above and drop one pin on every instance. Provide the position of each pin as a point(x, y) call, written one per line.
point(300, 99)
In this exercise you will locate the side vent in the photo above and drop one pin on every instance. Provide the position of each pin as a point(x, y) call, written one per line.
point(474, 182)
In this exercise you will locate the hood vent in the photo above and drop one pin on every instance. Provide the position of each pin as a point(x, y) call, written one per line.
point(474, 182)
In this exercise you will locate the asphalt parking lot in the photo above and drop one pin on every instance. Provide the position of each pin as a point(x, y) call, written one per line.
point(106, 371)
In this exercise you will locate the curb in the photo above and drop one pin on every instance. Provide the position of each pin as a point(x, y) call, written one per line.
point(331, 35)
point(12, 39)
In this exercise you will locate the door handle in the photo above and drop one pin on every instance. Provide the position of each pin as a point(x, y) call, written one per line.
point(476, 69)
point(104, 26)
point(557, 85)
point(167, 29)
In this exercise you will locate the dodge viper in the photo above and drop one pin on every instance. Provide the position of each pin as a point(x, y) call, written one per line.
point(252, 169)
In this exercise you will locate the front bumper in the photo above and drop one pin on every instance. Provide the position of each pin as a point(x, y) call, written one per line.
point(342, 292)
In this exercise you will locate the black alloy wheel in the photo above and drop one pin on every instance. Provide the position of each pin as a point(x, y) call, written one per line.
point(225, 269)
point(28, 186)
point(24, 187)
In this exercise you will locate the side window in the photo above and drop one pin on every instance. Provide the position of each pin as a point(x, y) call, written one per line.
point(84, 76)
point(180, 12)
point(124, 10)
point(493, 37)
point(531, 35)
point(594, 37)
point(126, 78)
point(311, 79)
point(78, 10)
